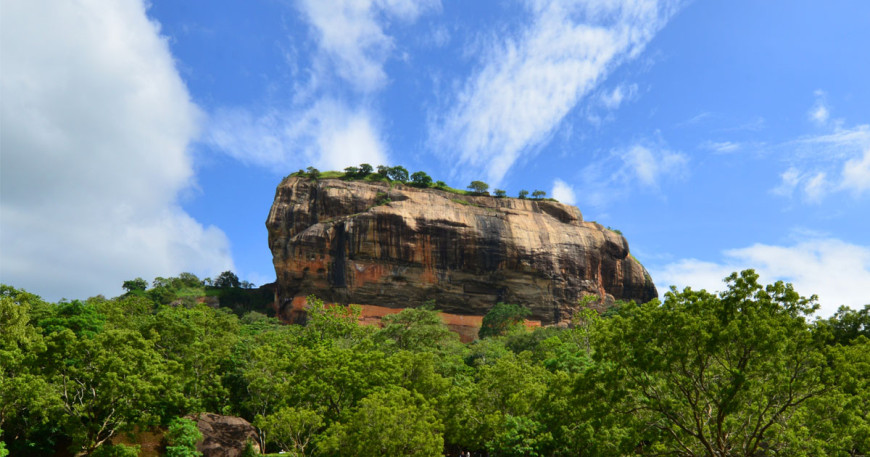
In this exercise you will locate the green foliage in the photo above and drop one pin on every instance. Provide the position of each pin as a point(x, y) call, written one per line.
point(416, 329)
point(460, 201)
point(523, 194)
point(313, 173)
point(846, 325)
point(291, 428)
point(737, 373)
point(538, 194)
point(501, 318)
point(381, 198)
point(500, 193)
point(616, 231)
point(398, 173)
point(392, 422)
point(181, 438)
point(227, 280)
point(478, 187)
point(715, 373)
point(116, 450)
point(421, 179)
point(135, 285)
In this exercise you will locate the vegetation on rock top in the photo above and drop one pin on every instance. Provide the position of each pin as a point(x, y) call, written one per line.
point(420, 179)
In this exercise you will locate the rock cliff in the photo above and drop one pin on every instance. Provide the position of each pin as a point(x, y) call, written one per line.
point(398, 246)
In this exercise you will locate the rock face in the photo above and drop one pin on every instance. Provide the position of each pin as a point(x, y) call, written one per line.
point(399, 246)
point(224, 436)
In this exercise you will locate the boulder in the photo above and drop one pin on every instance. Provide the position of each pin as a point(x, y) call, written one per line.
point(224, 436)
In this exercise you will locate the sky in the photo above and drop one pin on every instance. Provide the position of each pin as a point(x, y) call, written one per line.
point(145, 139)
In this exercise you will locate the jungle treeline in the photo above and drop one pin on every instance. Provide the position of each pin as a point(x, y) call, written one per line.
point(744, 372)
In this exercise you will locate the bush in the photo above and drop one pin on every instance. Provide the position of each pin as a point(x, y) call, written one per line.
point(501, 318)
point(182, 437)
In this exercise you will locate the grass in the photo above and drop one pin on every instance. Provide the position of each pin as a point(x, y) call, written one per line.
point(460, 201)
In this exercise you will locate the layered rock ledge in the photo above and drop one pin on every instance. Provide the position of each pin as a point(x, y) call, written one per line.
point(396, 246)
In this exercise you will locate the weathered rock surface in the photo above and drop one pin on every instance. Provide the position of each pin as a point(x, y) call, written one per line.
point(400, 246)
point(224, 436)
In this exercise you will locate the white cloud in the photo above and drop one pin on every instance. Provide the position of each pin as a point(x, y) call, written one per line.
point(643, 166)
point(856, 174)
point(613, 99)
point(96, 123)
point(351, 34)
point(563, 192)
point(821, 165)
point(528, 84)
point(650, 166)
point(836, 271)
point(721, 147)
point(328, 135)
point(819, 113)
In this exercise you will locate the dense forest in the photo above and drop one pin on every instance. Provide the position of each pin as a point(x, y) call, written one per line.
point(745, 372)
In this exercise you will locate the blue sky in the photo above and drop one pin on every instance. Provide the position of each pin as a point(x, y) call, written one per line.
point(148, 139)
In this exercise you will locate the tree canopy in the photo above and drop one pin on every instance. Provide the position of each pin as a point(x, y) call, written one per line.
point(744, 372)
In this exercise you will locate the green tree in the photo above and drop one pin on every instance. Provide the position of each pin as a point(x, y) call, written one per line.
point(847, 324)
point(365, 170)
point(351, 172)
point(500, 193)
point(478, 187)
point(538, 194)
point(27, 397)
point(383, 171)
point(500, 318)
point(196, 343)
point(421, 179)
point(313, 173)
point(108, 384)
point(291, 428)
point(135, 285)
point(416, 329)
point(182, 437)
point(391, 422)
point(227, 280)
point(398, 173)
point(523, 194)
point(714, 375)
point(440, 184)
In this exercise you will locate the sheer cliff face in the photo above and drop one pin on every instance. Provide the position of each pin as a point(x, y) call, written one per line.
point(367, 243)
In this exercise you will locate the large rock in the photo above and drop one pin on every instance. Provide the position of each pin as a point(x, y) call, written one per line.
point(399, 246)
point(224, 436)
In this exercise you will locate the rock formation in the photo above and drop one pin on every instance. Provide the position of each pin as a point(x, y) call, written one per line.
point(224, 436)
point(396, 246)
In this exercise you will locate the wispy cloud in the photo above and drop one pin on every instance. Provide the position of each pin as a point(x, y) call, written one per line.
point(613, 99)
point(721, 147)
point(350, 34)
point(824, 164)
point(318, 126)
point(649, 165)
point(819, 113)
point(837, 271)
point(643, 166)
point(328, 135)
point(528, 83)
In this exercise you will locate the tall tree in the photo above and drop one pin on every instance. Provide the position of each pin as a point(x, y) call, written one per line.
point(715, 375)
point(478, 187)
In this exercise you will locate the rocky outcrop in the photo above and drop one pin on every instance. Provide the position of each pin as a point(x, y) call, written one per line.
point(224, 436)
point(397, 246)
